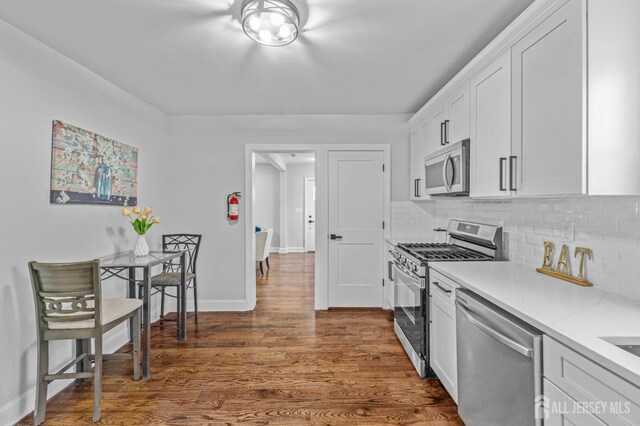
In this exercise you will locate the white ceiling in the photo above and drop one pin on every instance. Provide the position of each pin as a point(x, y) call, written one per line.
point(287, 158)
point(191, 56)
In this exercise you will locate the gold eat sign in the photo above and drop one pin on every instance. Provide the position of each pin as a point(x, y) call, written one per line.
point(562, 270)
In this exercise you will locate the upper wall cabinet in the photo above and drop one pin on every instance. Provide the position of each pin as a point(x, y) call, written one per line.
point(416, 158)
point(557, 112)
point(548, 142)
point(449, 119)
point(438, 120)
point(491, 129)
point(457, 105)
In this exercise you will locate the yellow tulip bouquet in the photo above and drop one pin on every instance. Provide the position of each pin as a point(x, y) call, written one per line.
point(141, 220)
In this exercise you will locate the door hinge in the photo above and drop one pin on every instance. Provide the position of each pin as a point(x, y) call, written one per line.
point(382, 224)
point(383, 167)
point(383, 282)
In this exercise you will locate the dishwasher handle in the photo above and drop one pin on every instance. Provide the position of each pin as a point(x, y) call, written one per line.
point(528, 352)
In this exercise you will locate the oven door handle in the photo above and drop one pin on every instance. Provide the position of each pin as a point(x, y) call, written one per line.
point(493, 333)
point(420, 283)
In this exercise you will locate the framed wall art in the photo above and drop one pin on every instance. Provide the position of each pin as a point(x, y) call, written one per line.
point(87, 168)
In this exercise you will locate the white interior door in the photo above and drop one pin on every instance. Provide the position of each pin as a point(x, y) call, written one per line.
point(309, 214)
point(356, 205)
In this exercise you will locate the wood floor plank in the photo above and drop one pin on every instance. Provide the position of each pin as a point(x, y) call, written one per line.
point(281, 364)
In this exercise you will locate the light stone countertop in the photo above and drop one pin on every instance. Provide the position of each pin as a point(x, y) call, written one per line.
point(575, 316)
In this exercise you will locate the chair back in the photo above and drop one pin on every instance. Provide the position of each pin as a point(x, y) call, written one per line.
point(263, 244)
point(65, 292)
point(188, 242)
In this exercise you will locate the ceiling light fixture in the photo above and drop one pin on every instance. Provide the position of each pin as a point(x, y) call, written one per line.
point(270, 22)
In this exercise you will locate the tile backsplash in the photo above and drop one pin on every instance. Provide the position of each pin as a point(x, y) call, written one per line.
point(610, 226)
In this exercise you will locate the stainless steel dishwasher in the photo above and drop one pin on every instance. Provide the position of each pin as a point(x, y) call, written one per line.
point(499, 364)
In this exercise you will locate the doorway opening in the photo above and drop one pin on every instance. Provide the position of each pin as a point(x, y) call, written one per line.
point(284, 220)
point(360, 163)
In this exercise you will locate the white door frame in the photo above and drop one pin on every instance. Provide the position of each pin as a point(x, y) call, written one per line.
point(305, 216)
point(322, 210)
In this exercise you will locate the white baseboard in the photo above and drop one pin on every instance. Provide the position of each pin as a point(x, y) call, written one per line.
point(16, 409)
point(295, 249)
point(285, 250)
point(274, 250)
point(229, 305)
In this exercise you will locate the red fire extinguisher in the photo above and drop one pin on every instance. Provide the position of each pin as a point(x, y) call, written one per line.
point(233, 206)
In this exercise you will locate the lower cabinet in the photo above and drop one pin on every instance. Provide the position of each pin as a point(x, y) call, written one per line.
point(442, 338)
point(588, 388)
point(558, 409)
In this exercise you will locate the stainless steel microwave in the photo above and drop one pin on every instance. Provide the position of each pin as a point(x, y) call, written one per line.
point(447, 170)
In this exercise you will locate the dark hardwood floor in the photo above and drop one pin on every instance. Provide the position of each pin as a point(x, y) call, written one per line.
point(283, 363)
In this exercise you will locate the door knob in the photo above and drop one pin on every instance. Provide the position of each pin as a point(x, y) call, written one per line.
point(335, 237)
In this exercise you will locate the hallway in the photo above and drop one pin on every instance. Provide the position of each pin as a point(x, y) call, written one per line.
point(283, 363)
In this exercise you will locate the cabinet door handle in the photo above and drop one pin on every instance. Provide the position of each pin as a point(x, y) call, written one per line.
point(513, 162)
point(503, 162)
point(437, 284)
point(442, 131)
point(390, 270)
point(418, 188)
point(446, 131)
point(415, 187)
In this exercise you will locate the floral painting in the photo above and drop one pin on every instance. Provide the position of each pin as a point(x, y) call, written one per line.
point(87, 168)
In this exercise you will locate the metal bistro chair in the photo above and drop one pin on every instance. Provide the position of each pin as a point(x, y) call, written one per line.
point(170, 276)
point(69, 305)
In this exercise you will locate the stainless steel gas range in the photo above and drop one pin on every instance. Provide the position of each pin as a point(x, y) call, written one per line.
point(466, 241)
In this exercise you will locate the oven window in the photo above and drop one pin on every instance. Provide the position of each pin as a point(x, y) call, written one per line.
point(409, 312)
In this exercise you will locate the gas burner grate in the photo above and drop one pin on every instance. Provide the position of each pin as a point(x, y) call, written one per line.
point(423, 246)
point(439, 252)
point(450, 255)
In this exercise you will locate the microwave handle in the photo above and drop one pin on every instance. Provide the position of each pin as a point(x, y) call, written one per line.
point(445, 166)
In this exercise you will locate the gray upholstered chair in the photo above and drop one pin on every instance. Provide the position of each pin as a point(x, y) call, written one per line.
point(171, 276)
point(69, 305)
point(263, 247)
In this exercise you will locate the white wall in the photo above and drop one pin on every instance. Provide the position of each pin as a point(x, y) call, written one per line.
point(37, 85)
point(610, 226)
point(266, 208)
point(295, 204)
point(211, 150)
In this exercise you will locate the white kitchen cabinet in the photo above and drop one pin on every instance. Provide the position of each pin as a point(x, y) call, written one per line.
point(442, 337)
point(559, 409)
point(388, 277)
point(490, 128)
point(458, 113)
point(448, 119)
point(416, 169)
point(548, 143)
point(437, 118)
point(556, 113)
point(589, 383)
